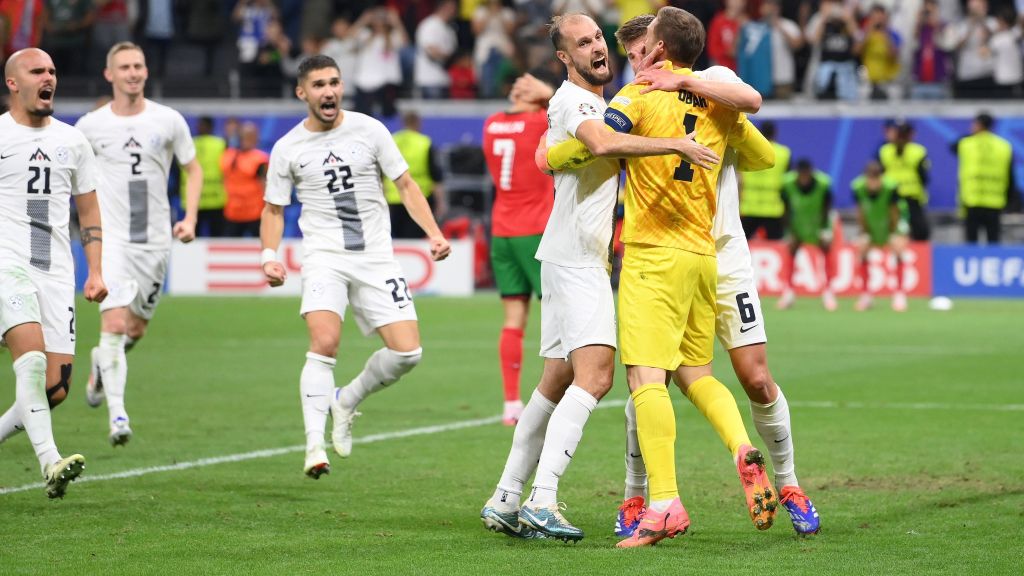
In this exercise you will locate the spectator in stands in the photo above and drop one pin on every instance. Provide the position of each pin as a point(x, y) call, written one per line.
point(66, 33)
point(435, 44)
point(379, 38)
point(931, 60)
point(879, 51)
point(25, 23)
point(974, 65)
point(245, 175)
point(724, 33)
point(264, 76)
point(761, 203)
point(418, 151)
point(592, 8)
point(290, 58)
point(986, 179)
point(532, 33)
point(906, 163)
point(205, 25)
point(786, 39)
point(754, 55)
point(342, 47)
point(252, 17)
point(493, 26)
point(157, 20)
point(316, 18)
point(112, 25)
point(1008, 68)
point(833, 34)
point(209, 151)
point(463, 78)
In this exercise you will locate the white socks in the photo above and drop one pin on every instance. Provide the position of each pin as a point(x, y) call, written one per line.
point(636, 470)
point(10, 423)
point(384, 367)
point(563, 435)
point(772, 423)
point(34, 407)
point(527, 443)
point(316, 384)
point(113, 367)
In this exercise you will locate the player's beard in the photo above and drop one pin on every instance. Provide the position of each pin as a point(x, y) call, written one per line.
point(593, 77)
point(41, 112)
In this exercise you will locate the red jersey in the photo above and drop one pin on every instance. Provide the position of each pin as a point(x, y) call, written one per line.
point(523, 194)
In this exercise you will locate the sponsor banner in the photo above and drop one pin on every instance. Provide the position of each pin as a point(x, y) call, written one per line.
point(996, 271)
point(210, 266)
point(771, 264)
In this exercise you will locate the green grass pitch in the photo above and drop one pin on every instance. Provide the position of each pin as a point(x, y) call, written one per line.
point(909, 434)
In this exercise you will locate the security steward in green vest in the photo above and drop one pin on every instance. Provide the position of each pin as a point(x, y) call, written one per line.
point(417, 150)
point(761, 203)
point(986, 179)
point(906, 163)
point(209, 149)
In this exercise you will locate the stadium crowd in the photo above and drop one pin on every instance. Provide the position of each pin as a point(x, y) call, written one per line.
point(824, 49)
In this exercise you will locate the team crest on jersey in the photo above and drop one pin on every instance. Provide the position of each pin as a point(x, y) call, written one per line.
point(39, 156)
point(332, 159)
point(16, 302)
point(155, 140)
point(588, 109)
point(63, 155)
point(132, 143)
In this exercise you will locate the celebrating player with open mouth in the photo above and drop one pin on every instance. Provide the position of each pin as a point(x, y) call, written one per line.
point(334, 158)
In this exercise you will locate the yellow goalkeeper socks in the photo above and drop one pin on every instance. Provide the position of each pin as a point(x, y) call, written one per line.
point(656, 431)
point(715, 402)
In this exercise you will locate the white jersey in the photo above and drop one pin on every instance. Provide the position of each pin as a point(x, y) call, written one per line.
point(337, 177)
point(40, 168)
point(579, 230)
point(135, 155)
point(727, 212)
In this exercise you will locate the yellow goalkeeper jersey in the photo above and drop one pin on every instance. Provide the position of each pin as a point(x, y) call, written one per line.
point(668, 201)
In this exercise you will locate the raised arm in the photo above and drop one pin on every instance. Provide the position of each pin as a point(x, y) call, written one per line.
point(92, 241)
point(414, 202)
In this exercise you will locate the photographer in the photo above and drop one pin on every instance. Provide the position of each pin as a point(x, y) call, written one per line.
point(379, 36)
point(832, 32)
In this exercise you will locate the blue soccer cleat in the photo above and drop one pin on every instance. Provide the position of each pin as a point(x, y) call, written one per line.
point(801, 510)
point(507, 522)
point(548, 520)
point(629, 516)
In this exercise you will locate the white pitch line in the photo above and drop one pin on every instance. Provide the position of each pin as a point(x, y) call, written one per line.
point(439, 428)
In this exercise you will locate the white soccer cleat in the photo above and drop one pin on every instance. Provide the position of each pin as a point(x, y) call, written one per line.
point(828, 299)
point(120, 432)
point(61, 473)
point(864, 302)
point(786, 300)
point(316, 463)
point(341, 427)
point(899, 302)
point(94, 394)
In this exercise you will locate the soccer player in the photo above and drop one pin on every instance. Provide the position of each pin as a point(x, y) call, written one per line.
point(43, 162)
point(739, 323)
point(883, 222)
point(334, 158)
point(134, 140)
point(577, 311)
point(669, 272)
point(522, 204)
point(807, 194)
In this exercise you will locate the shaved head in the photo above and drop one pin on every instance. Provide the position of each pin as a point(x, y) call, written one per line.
point(10, 69)
point(32, 80)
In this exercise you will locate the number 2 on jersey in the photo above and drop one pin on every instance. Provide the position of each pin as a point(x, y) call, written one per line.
point(506, 149)
point(684, 172)
point(344, 172)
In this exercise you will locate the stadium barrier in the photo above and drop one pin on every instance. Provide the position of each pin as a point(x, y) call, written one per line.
point(978, 271)
point(231, 267)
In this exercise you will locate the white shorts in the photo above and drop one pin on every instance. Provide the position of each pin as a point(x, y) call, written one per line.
point(134, 278)
point(577, 309)
point(26, 297)
point(375, 287)
point(739, 321)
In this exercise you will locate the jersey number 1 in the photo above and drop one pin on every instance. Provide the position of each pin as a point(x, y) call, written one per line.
point(684, 172)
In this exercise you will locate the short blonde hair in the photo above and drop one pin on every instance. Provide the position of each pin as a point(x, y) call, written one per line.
point(121, 47)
